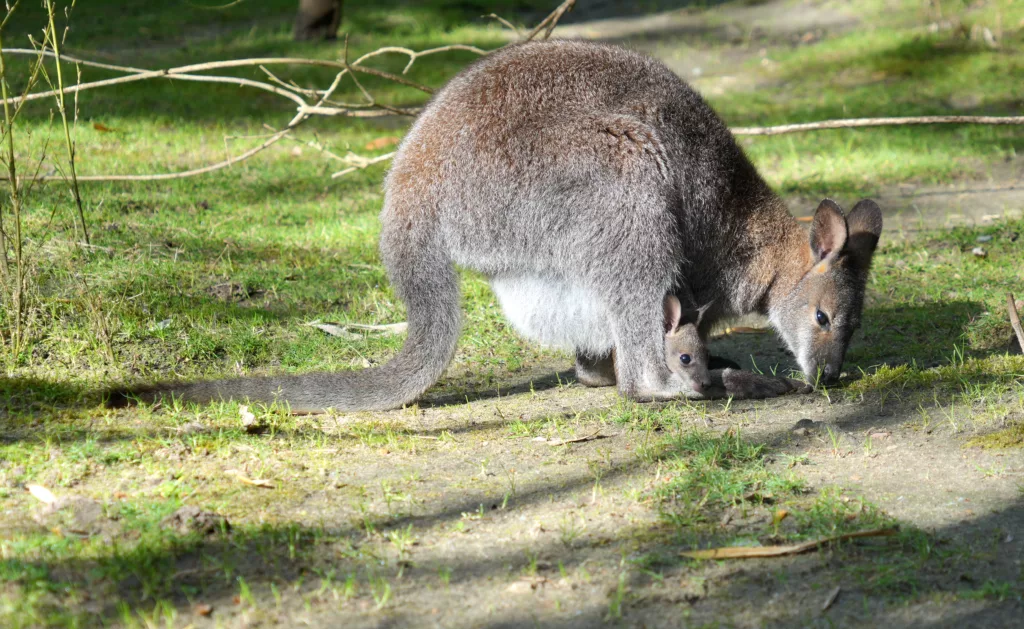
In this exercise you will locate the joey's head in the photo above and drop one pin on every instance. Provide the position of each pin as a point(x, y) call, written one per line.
point(818, 317)
point(685, 351)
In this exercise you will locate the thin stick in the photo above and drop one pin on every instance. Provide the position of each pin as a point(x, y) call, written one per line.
point(75, 192)
point(551, 20)
point(1011, 307)
point(850, 123)
point(178, 72)
point(505, 23)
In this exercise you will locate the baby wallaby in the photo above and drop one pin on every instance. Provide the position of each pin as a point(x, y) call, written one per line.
point(586, 182)
point(686, 353)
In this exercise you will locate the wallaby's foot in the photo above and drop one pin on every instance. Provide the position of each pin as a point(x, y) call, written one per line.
point(749, 385)
point(595, 372)
point(673, 388)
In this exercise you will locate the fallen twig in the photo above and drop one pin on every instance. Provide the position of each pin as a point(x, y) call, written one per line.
point(743, 552)
point(255, 482)
point(590, 437)
point(1011, 307)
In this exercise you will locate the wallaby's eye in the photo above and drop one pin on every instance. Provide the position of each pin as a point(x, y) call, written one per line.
point(822, 319)
point(685, 359)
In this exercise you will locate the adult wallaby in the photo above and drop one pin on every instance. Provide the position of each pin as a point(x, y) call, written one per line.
point(587, 182)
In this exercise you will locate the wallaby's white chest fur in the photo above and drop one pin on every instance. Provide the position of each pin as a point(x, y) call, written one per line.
point(555, 313)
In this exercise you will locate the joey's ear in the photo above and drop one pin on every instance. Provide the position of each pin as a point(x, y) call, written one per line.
point(828, 230)
point(865, 226)
point(673, 312)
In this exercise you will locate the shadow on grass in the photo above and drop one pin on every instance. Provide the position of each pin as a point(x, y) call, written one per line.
point(304, 568)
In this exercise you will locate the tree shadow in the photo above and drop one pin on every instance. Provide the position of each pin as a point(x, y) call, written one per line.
point(184, 570)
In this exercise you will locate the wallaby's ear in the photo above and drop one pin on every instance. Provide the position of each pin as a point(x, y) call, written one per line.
point(865, 226)
point(828, 230)
point(673, 312)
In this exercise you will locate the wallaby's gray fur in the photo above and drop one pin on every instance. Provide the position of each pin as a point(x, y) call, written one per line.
point(587, 182)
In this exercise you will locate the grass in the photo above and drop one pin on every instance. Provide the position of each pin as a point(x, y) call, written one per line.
point(217, 275)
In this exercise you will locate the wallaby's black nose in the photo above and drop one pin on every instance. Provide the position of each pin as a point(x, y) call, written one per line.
point(829, 374)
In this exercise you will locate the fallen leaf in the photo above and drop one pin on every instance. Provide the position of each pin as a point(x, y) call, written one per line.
point(99, 126)
point(831, 599)
point(381, 143)
point(42, 494)
point(333, 330)
point(255, 482)
point(388, 328)
point(741, 552)
point(203, 609)
point(745, 330)
point(779, 516)
point(805, 219)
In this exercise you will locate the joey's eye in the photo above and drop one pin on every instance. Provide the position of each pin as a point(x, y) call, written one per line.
point(685, 359)
point(822, 318)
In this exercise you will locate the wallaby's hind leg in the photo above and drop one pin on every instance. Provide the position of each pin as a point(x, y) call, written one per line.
point(595, 372)
point(640, 368)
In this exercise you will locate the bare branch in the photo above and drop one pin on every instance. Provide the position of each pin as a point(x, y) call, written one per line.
point(359, 163)
point(551, 20)
point(852, 123)
point(505, 23)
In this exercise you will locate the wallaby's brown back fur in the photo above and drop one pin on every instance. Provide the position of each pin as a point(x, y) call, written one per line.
point(587, 182)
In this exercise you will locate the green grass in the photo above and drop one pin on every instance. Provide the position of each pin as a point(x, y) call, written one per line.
point(217, 275)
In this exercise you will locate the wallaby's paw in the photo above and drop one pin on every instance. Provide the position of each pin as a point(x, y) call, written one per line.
point(594, 379)
point(749, 385)
point(673, 388)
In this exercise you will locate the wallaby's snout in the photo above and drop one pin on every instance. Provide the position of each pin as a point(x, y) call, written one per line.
point(818, 318)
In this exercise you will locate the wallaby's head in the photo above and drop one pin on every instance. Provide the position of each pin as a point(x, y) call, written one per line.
point(817, 319)
point(685, 351)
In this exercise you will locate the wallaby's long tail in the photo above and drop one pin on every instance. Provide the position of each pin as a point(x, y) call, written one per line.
point(428, 283)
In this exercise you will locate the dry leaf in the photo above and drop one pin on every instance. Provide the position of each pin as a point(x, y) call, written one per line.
point(42, 494)
point(745, 330)
point(381, 143)
point(203, 609)
point(742, 552)
point(779, 516)
point(255, 482)
point(805, 219)
point(388, 328)
point(102, 127)
point(831, 599)
point(248, 419)
point(333, 330)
